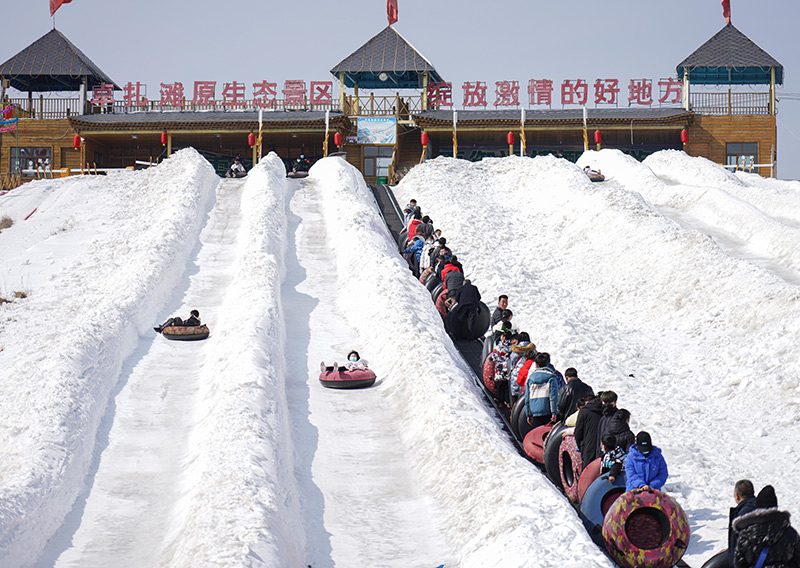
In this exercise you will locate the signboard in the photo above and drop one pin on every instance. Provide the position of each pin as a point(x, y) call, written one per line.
point(379, 130)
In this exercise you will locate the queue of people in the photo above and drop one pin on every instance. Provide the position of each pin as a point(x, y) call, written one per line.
point(759, 535)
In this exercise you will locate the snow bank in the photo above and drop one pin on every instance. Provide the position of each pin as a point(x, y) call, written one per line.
point(241, 504)
point(496, 506)
point(701, 347)
point(89, 300)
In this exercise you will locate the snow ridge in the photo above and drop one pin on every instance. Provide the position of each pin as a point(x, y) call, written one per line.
point(105, 298)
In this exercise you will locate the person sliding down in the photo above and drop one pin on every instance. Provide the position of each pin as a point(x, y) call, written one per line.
point(236, 169)
point(354, 363)
point(192, 321)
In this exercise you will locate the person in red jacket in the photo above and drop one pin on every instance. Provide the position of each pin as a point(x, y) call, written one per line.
point(526, 367)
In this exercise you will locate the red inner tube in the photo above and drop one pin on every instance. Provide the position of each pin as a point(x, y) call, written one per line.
point(645, 529)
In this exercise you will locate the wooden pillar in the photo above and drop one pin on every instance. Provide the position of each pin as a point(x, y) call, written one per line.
point(772, 104)
point(356, 106)
point(341, 91)
point(169, 144)
point(425, 91)
point(685, 89)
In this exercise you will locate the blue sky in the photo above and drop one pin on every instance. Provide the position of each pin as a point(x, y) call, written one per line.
point(466, 40)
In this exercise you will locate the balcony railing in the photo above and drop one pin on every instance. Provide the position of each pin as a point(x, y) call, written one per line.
point(723, 104)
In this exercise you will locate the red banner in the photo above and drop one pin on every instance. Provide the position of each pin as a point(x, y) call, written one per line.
point(56, 4)
point(391, 11)
point(726, 10)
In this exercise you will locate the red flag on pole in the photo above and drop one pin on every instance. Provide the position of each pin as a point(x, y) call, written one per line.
point(726, 10)
point(391, 10)
point(56, 4)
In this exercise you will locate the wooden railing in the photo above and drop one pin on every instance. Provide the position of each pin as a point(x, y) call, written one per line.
point(392, 105)
point(721, 104)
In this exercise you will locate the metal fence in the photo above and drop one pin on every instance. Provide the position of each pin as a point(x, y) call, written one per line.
point(724, 104)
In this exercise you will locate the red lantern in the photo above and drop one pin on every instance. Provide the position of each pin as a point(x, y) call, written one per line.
point(163, 138)
point(7, 112)
point(598, 137)
point(76, 141)
point(424, 139)
point(337, 139)
point(510, 138)
point(251, 139)
point(684, 136)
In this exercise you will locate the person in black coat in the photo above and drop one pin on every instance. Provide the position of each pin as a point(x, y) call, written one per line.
point(497, 314)
point(609, 400)
point(619, 427)
point(587, 430)
point(468, 294)
point(744, 495)
point(571, 393)
point(192, 321)
point(766, 529)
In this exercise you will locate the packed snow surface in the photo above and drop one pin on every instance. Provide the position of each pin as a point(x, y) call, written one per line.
point(674, 283)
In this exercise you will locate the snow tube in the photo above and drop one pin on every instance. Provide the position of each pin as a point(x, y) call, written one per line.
point(185, 332)
point(522, 420)
point(432, 282)
point(338, 379)
point(516, 411)
point(596, 502)
point(440, 305)
point(488, 346)
point(297, 175)
point(533, 444)
point(596, 177)
point(551, 450)
point(488, 376)
point(423, 278)
point(646, 528)
point(588, 475)
point(719, 560)
point(468, 321)
point(402, 240)
point(570, 466)
point(438, 289)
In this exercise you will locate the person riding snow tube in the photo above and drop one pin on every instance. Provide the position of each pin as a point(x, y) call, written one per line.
point(189, 329)
point(355, 374)
point(646, 528)
point(237, 169)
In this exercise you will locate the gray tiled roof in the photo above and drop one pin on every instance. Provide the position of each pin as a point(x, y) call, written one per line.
point(386, 52)
point(52, 63)
point(190, 119)
point(554, 115)
point(731, 50)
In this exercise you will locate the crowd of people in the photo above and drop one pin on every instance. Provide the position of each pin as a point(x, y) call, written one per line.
point(759, 535)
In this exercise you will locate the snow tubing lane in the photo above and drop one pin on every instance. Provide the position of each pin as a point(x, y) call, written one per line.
point(185, 332)
point(570, 466)
point(646, 528)
point(488, 376)
point(596, 502)
point(589, 474)
point(719, 560)
point(357, 379)
point(533, 444)
point(438, 289)
point(461, 326)
point(551, 450)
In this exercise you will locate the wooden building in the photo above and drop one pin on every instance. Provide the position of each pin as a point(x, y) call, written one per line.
point(381, 110)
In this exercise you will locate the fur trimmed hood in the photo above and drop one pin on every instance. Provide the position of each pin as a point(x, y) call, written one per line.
point(522, 349)
point(774, 519)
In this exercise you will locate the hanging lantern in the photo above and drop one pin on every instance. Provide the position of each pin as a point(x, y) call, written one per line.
point(337, 139)
point(684, 136)
point(424, 139)
point(598, 137)
point(251, 139)
point(163, 138)
point(76, 141)
point(510, 138)
point(7, 112)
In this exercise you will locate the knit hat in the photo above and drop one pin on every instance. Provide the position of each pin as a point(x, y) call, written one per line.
point(643, 442)
point(766, 498)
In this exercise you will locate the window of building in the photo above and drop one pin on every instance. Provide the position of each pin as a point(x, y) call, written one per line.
point(30, 159)
point(741, 154)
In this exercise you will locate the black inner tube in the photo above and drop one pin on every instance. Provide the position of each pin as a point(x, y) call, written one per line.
point(567, 470)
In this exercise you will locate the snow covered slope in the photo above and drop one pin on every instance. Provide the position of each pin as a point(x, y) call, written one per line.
point(698, 344)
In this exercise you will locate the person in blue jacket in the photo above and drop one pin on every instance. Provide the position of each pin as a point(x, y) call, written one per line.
point(541, 392)
point(645, 467)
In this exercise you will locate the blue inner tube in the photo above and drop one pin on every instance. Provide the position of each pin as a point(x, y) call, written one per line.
point(596, 501)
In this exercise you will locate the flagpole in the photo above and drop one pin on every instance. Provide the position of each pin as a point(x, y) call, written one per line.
point(585, 135)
